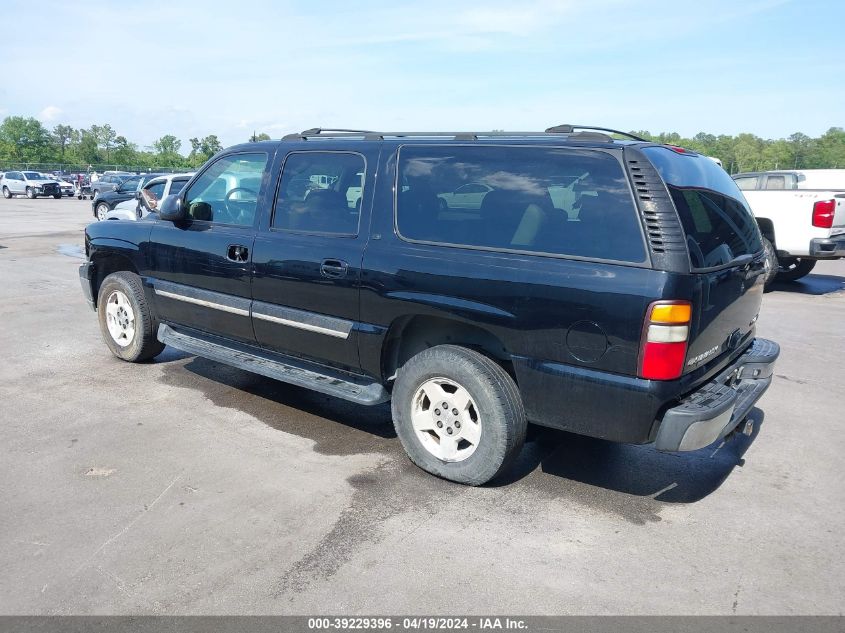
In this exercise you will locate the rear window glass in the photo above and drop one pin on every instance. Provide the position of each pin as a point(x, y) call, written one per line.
point(545, 200)
point(718, 224)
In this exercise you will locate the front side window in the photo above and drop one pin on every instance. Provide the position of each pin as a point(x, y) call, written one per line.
point(227, 192)
point(320, 192)
point(547, 200)
point(746, 183)
point(155, 188)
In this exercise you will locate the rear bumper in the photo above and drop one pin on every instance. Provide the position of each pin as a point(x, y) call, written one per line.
point(87, 276)
point(717, 407)
point(825, 248)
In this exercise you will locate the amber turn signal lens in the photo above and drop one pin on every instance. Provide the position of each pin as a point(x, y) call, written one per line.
point(671, 313)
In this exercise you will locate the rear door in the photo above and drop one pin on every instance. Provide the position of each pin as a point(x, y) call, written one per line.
point(725, 249)
point(307, 257)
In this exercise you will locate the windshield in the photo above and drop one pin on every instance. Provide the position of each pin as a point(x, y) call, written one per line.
point(34, 175)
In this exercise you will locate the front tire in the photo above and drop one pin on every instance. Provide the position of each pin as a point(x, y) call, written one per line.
point(57, 196)
point(794, 268)
point(458, 414)
point(126, 322)
point(30, 193)
point(102, 210)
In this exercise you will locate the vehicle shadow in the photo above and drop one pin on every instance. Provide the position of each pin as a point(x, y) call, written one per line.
point(339, 427)
point(811, 285)
point(638, 470)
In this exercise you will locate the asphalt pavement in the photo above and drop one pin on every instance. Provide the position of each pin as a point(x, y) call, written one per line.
point(182, 486)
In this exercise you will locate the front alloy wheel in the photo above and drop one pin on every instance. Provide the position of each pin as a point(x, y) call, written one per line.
point(102, 210)
point(120, 318)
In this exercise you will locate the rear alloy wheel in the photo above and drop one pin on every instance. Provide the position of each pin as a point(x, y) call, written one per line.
point(102, 210)
point(458, 414)
point(794, 268)
point(6, 193)
point(30, 193)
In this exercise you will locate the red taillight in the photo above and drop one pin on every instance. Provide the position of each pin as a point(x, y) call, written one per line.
point(823, 212)
point(664, 343)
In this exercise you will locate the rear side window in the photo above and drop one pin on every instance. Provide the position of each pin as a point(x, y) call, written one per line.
point(320, 192)
point(177, 185)
point(718, 224)
point(546, 200)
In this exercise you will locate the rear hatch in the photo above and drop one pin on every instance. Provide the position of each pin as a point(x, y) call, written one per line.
point(726, 254)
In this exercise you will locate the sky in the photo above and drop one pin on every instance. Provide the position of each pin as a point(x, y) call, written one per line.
point(198, 67)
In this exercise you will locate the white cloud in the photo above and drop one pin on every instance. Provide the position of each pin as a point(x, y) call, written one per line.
point(50, 113)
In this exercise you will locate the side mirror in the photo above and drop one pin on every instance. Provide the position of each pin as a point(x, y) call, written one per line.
point(171, 209)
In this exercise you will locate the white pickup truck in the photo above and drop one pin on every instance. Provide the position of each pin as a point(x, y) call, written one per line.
point(800, 213)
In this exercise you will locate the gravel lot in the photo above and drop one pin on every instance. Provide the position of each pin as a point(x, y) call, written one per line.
point(185, 487)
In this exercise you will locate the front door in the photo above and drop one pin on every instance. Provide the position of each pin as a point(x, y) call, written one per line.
point(308, 259)
point(201, 268)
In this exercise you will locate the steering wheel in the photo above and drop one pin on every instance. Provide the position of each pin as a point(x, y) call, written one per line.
point(236, 208)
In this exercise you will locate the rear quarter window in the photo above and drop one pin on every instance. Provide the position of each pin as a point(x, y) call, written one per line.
point(718, 224)
point(556, 201)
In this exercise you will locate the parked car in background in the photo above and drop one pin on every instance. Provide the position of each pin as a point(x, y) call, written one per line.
point(67, 188)
point(107, 182)
point(626, 311)
point(29, 183)
point(801, 215)
point(148, 197)
point(107, 200)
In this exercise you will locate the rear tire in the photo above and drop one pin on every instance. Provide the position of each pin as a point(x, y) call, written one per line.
point(771, 264)
point(795, 268)
point(6, 193)
point(126, 322)
point(481, 428)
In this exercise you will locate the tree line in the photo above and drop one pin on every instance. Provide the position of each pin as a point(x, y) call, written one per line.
point(27, 140)
point(748, 152)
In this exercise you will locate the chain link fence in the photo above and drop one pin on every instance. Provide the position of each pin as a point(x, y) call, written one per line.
point(75, 168)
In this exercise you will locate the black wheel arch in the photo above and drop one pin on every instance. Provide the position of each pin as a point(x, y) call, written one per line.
point(411, 334)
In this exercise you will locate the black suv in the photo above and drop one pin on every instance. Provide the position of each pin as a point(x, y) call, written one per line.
point(479, 281)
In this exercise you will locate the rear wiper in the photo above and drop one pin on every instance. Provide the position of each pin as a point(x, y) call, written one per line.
point(736, 262)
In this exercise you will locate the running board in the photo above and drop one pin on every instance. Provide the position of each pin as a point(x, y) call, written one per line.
point(290, 370)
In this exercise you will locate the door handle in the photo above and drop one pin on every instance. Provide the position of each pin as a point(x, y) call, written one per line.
point(333, 268)
point(237, 253)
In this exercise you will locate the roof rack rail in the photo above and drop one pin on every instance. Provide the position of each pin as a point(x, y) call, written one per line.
point(567, 128)
point(588, 133)
point(317, 131)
